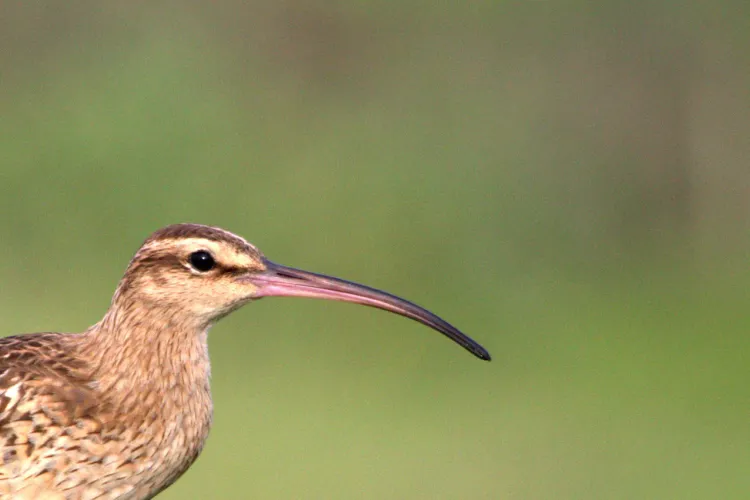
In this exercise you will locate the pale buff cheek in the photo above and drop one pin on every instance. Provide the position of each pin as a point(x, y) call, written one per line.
point(207, 298)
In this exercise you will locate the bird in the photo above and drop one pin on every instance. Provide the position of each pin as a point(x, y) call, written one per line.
point(123, 409)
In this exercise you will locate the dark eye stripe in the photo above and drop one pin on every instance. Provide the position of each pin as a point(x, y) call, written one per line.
point(231, 270)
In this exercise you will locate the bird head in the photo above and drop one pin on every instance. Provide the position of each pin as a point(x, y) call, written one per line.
point(202, 273)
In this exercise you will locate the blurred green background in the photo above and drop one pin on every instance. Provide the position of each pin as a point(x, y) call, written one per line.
point(568, 183)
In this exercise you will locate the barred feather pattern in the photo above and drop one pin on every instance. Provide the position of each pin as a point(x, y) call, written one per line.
point(63, 437)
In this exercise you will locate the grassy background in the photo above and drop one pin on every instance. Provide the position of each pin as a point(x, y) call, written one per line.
point(567, 183)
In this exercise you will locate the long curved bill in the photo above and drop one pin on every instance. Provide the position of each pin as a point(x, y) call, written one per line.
point(282, 281)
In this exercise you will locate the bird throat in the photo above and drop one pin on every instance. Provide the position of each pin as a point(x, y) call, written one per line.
point(139, 353)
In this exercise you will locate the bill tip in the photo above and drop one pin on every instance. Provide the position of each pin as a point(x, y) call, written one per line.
point(482, 353)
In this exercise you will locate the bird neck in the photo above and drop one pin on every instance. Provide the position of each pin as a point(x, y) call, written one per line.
point(137, 351)
point(152, 372)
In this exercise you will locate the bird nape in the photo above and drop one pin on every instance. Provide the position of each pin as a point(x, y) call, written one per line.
point(123, 409)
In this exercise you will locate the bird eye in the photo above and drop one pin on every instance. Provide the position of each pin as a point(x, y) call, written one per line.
point(202, 261)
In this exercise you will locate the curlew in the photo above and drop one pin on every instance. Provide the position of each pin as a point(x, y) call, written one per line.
point(123, 409)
